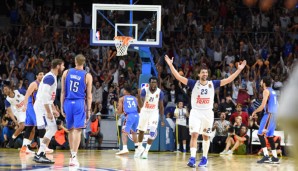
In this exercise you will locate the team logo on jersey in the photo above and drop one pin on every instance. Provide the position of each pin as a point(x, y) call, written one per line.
point(18, 96)
point(201, 100)
point(210, 85)
point(143, 85)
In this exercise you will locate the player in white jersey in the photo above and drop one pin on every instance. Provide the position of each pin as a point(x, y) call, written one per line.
point(45, 109)
point(150, 101)
point(201, 115)
point(14, 104)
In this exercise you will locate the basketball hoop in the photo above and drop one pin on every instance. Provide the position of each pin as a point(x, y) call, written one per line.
point(122, 43)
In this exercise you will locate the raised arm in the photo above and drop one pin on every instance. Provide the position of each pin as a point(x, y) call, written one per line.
point(234, 75)
point(120, 106)
point(174, 71)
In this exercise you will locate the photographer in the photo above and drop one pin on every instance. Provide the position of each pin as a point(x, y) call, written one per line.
point(238, 142)
point(181, 113)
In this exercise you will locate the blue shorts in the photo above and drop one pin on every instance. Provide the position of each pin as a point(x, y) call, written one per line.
point(131, 123)
point(75, 113)
point(268, 123)
point(30, 116)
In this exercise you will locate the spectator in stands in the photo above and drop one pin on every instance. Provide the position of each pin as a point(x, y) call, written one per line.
point(243, 97)
point(93, 130)
point(8, 128)
point(97, 97)
point(228, 106)
point(254, 122)
point(238, 142)
point(244, 116)
point(181, 114)
point(221, 126)
point(60, 140)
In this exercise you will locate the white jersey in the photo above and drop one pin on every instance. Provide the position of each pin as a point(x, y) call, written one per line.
point(181, 119)
point(202, 96)
point(16, 103)
point(151, 100)
point(47, 89)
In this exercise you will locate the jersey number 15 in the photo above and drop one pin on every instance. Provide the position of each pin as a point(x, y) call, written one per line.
point(74, 86)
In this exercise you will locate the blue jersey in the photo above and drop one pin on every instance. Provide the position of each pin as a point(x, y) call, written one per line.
point(271, 106)
point(32, 97)
point(130, 104)
point(75, 84)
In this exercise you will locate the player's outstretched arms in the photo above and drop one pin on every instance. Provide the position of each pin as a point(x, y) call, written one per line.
point(174, 71)
point(234, 75)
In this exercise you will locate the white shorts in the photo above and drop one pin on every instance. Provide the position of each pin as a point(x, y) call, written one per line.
point(41, 118)
point(21, 116)
point(201, 121)
point(148, 119)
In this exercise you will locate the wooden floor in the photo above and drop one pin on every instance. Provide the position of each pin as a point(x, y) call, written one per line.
point(105, 160)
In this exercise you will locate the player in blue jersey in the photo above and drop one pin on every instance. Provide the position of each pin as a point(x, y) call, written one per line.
point(30, 121)
point(128, 105)
point(201, 115)
point(75, 84)
point(267, 125)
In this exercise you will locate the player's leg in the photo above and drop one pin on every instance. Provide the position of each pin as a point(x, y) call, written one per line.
point(153, 123)
point(194, 129)
point(264, 123)
point(79, 118)
point(127, 125)
point(30, 123)
point(142, 127)
point(270, 134)
point(206, 128)
point(21, 117)
point(67, 107)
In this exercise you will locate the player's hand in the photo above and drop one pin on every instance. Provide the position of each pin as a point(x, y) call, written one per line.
point(50, 116)
point(242, 65)
point(62, 112)
point(168, 60)
point(56, 114)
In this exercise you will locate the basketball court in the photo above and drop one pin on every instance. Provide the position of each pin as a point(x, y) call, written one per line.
point(11, 159)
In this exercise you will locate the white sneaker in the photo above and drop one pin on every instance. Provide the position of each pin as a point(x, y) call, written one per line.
point(145, 155)
point(123, 152)
point(49, 150)
point(230, 152)
point(74, 162)
point(139, 151)
point(223, 153)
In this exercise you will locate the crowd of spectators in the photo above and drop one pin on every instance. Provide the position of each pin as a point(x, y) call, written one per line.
point(218, 33)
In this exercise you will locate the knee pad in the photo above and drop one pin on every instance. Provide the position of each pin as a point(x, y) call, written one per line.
point(50, 132)
point(41, 133)
point(28, 131)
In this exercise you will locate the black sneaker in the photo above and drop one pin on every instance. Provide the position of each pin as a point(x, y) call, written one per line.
point(274, 160)
point(265, 159)
point(41, 158)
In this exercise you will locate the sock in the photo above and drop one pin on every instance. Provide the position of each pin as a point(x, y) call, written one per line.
point(124, 147)
point(274, 153)
point(178, 147)
point(42, 148)
point(206, 145)
point(40, 140)
point(136, 145)
point(265, 151)
point(193, 152)
point(184, 146)
point(148, 147)
point(14, 137)
point(26, 142)
point(73, 154)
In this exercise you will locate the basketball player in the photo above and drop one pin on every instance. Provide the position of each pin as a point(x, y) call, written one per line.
point(267, 125)
point(14, 104)
point(151, 100)
point(30, 121)
point(201, 115)
point(128, 105)
point(75, 83)
point(45, 109)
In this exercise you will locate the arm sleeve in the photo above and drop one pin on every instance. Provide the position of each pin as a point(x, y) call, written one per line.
point(191, 83)
point(7, 104)
point(161, 95)
point(216, 83)
point(49, 80)
point(143, 93)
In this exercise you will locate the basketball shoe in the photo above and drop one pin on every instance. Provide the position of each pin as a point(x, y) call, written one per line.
point(203, 162)
point(191, 162)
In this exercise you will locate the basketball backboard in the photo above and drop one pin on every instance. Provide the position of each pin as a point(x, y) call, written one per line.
point(142, 22)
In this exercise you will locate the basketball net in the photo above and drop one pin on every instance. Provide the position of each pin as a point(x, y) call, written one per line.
point(122, 43)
